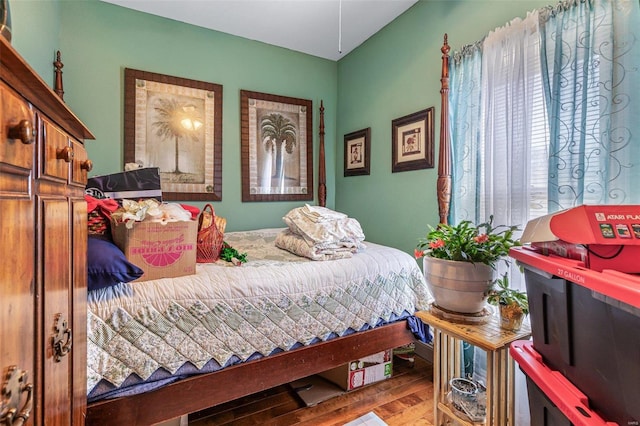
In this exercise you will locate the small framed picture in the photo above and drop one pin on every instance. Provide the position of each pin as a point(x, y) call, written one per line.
point(412, 141)
point(357, 152)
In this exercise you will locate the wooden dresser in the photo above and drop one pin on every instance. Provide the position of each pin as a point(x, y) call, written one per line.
point(43, 226)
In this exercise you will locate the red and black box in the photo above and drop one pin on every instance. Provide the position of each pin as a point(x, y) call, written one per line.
point(134, 185)
point(601, 236)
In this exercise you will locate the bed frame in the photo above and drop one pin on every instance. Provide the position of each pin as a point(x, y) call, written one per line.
point(207, 390)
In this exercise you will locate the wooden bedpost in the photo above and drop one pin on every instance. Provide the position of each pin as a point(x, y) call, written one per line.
point(57, 66)
point(444, 158)
point(322, 175)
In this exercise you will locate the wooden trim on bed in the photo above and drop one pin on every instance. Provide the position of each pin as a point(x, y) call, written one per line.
point(204, 391)
point(322, 176)
point(444, 158)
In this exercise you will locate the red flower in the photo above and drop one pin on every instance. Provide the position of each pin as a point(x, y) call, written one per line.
point(436, 244)
point(482, 238)
point(418, 253)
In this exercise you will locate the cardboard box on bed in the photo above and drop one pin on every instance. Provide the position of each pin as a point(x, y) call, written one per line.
point(162, 251)
point(364, 371)
point(601, 236)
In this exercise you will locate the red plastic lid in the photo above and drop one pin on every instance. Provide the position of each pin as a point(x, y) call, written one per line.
point(569, 400)
point(614, 284)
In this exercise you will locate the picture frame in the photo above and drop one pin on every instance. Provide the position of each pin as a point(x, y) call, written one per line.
point(276, 147)
point(412, 141)
point(357, 152)
point(175, 124)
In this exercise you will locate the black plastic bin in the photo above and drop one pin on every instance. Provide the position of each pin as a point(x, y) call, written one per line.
point(593, 340)
point(542, 410)
point(553, 400)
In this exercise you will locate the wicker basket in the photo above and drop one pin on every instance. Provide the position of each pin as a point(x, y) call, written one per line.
point(210, 236)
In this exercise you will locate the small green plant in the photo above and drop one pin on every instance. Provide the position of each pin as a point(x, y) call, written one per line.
point(230, 254)
point(502, 294)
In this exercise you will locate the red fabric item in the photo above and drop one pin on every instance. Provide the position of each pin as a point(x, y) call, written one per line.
point(195, 211)
point(106, 205)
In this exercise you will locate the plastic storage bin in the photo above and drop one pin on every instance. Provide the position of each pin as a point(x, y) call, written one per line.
point(553, 400)
point(590, 338)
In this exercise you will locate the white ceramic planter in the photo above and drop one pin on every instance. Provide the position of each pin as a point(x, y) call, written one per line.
point(458, 286)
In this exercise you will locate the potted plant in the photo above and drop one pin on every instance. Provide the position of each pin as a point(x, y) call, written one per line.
point(459, 262)
point(513, 304)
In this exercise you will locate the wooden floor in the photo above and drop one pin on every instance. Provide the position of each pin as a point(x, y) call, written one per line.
point(404, 399)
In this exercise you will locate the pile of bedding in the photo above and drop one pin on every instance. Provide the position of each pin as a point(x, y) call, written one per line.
point(319, 233)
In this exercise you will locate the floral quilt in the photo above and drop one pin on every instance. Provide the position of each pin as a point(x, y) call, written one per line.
point(275, 301)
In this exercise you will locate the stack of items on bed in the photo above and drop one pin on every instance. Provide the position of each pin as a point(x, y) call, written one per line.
point(132, 240)
point(158, 237)
point(320, 233)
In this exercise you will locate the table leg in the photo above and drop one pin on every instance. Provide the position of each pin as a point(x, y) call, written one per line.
point(492, 381)
point(437, 371)
point(511, 391)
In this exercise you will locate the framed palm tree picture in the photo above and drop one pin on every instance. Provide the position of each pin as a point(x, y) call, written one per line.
point(175, 124)
point(276, 147)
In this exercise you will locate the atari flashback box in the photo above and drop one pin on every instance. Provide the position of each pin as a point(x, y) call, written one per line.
point(601, 236)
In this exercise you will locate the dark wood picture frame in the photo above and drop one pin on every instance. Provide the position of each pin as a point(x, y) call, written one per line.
point(357, 152)
point(412, 141)
point(175, 124)
point(276, 147)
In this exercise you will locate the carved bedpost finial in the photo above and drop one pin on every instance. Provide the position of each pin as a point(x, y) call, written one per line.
point(445, 46)
point(444, 158)
point(58, 73)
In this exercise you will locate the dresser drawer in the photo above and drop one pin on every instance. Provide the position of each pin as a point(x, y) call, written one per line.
point(17, 135)
point(57, 151)
point(81, 164)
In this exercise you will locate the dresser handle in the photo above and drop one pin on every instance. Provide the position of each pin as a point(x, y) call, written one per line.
point(61, 339)
point(87, 165)
point(65, 154)
point(14, 385)
point(23, 131)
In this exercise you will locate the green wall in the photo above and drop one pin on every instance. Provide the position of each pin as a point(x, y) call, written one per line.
point(35, 33)
point(99, 40)
point(396, 73)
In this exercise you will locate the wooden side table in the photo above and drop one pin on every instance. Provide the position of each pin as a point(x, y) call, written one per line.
point(447, 354)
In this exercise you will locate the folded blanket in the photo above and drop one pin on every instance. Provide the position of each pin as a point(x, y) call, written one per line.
point(319, 214)
point(297, 245)
point(319, 233)
point(326, 232)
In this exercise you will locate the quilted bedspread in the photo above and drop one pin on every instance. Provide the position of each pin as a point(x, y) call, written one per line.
point(275, 301)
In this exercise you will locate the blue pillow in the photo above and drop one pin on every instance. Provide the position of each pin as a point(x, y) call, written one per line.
point(107, 265)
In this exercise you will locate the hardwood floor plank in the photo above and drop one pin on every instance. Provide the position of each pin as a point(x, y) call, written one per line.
point(420, 413)
point(403, 399)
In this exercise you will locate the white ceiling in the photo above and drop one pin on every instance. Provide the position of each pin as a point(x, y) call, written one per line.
point(308, 26)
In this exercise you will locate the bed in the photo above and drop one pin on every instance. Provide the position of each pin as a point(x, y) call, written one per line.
point(186, 344)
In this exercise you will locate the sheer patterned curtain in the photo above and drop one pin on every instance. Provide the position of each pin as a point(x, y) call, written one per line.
point(591, 74)
point(511, 61)
point(496, 94)
point(492, 143)
point(465, 115)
